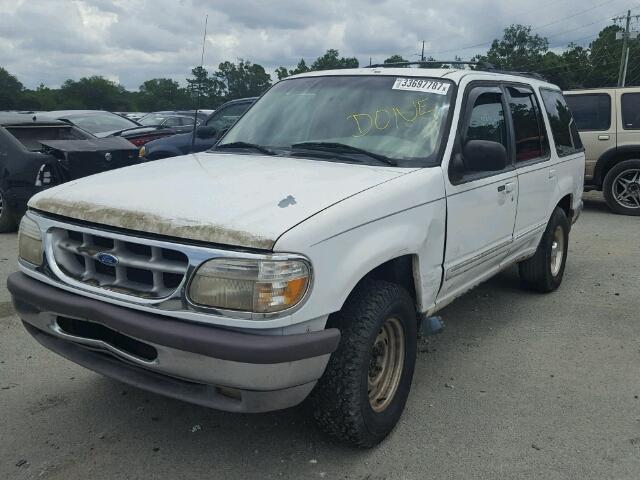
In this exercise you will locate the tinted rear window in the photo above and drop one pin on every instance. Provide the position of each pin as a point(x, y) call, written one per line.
point(591, 111)
point(30, 137)
point(531, 138)
point(631, 111)
point(563, 128)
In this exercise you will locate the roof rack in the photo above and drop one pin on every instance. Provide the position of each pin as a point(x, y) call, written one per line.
point(482, 66)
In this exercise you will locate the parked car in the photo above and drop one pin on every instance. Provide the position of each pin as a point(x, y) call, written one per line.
point(304, 253)
point(206, 134)
point(181, 121)
point(106, 124)
point(608, 120)
point(135, 116)
point(36, 154)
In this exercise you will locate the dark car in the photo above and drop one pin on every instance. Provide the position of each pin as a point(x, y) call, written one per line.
point(107, 124)
point(206, 135)
point(36, 154)
point(182, 120)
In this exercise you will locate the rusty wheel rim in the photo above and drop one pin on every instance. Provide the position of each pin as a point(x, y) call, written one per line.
point(386, 364)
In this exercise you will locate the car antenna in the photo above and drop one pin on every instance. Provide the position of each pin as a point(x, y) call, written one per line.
point(195, 116)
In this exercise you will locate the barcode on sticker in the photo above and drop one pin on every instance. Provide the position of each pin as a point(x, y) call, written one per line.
point(421, 85)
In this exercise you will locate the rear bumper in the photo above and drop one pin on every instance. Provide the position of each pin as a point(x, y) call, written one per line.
point(191, 362)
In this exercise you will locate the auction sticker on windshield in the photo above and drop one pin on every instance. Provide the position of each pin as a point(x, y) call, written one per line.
point(421, 85)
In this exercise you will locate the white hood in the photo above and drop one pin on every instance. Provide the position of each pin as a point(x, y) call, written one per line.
point(224, 198)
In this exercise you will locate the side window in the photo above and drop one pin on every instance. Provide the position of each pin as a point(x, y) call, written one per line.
point(630, 111)
point(483, 142)
point(530, 134)
point(226, 117)
point(590, 111)
point(563, 128)
point(486, 121)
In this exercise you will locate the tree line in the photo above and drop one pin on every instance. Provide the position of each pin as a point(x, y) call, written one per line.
point(518, 50)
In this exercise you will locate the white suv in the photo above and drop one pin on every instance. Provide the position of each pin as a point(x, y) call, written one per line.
point(300, 256)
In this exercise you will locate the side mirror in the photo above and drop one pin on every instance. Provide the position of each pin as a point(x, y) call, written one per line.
point(484, 156)
point(206, 132)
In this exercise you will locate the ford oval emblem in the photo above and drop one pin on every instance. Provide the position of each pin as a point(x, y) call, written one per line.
point(107, 259)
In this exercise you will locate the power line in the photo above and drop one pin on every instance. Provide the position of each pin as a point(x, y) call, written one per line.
point(533, 28)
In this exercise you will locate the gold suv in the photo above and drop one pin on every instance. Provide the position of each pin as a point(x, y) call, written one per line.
point(608, 120)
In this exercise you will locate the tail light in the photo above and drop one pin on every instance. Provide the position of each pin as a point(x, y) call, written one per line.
point(140, 141)
point(44, 176)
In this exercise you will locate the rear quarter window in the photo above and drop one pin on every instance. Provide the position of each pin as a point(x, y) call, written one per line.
point(630, 103)
point(30, 137)
point(563, 127)
point(590, 111)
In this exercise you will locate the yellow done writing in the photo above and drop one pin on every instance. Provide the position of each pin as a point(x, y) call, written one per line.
point(384, 118)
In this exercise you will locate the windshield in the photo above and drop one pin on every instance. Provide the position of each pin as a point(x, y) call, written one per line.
point(153, 119)
point(101, 122)
point(400, 118)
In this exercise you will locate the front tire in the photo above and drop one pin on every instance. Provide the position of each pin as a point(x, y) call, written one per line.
point(544, 271)
point(363, 391)
point(621, 188)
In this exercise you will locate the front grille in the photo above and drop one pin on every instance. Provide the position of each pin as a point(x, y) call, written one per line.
point(141, 270)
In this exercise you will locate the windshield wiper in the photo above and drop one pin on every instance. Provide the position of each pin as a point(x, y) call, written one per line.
point(255, 146)
point(344, 148)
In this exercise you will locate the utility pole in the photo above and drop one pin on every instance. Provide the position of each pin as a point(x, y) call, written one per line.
point(422, 56)
point(625, 35)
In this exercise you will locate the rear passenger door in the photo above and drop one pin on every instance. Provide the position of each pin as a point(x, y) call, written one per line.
point(594, 114)
point(481, 205)
point(537, 175)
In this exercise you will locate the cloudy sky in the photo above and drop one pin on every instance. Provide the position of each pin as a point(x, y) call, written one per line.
point(129, 41)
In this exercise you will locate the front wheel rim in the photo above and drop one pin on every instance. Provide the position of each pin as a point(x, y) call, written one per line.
point(557, 250)
point(386, 364)
point(626, 188)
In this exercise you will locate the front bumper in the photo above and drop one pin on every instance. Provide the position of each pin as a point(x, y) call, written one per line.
point(209, 366)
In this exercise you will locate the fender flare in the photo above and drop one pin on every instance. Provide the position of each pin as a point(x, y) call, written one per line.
point(612, 156)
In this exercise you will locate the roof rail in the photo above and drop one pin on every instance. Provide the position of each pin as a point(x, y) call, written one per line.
point(535, 75)
point(481, 65)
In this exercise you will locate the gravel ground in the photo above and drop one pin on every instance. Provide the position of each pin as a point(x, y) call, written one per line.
point(537, 386)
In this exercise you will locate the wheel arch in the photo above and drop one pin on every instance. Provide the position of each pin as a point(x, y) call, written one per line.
point(402, 270)
point(612, 157)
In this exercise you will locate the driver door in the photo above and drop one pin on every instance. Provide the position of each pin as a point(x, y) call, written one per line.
point(481, 205)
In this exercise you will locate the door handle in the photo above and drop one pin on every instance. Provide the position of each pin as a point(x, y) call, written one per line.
point(603, 137)
point(552, 173)
point(506, 188)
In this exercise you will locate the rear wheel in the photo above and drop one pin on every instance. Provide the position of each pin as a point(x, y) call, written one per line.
point(543, 272)
point(8, 220)
point(621, 188)
point(364, 389)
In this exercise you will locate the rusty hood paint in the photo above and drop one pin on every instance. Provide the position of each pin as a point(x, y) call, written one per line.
point(222, 198)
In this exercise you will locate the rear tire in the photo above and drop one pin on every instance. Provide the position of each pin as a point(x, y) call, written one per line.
point(363, 391)
point(8, 218)
point(621, 188)
point(543, 272)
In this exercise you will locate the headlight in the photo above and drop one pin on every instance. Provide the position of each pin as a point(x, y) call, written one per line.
point(30, 241)
point(259, 286)
point(142, 151)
